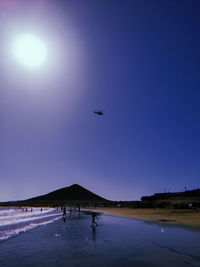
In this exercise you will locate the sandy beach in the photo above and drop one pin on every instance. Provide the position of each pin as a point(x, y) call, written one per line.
point(188, 218)
point(116, 241)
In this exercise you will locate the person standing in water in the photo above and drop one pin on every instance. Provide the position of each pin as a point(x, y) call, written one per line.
point(94, 217)
point(64, 211)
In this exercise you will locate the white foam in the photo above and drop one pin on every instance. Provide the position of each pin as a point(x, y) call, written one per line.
point(15, 220)
point(19, 213)
point(13, 232)
point(6, 211)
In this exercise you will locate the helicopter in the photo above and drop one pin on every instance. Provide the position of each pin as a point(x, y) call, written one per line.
point(98, 112)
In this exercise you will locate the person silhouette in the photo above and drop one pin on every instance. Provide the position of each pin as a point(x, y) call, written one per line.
point(94, 217)
point(64, 213)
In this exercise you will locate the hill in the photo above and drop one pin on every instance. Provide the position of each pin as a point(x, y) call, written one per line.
point(74, 194)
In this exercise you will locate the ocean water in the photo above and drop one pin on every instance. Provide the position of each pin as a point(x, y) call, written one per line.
point(49, 240)
point(14, 221)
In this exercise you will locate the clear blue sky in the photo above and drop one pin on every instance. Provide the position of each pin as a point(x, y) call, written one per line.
point(137, 60)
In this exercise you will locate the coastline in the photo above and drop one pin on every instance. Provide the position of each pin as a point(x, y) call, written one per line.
point(115, 242)
point(186, 218)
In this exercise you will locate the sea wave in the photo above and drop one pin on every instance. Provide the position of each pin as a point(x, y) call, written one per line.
point(4, 235)
point(20, 213)
point(14, 221)
point(20, 220)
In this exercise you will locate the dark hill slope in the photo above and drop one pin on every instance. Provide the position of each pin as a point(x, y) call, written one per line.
point(72, 193)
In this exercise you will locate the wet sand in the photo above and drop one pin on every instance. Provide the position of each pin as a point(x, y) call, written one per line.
point(114, 242)
point(188, 218)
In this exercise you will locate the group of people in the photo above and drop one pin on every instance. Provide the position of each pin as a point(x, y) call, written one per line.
point(64, 211)
point(93, 217)
point(26, 209)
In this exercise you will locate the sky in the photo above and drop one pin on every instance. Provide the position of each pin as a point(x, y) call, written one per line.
point(138, 61)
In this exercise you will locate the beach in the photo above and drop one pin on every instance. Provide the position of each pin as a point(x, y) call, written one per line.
point(187, 218)
point(116, 241)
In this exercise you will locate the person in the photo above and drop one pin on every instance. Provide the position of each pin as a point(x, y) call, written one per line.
point(64, 212)
point(94, 217)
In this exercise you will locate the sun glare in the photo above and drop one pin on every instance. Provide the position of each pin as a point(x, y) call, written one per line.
point(29, 51)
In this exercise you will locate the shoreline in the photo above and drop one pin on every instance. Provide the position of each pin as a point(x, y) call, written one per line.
point(188, 218)
point(184, 218)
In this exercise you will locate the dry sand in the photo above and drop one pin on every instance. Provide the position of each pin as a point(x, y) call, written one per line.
point(189, 218)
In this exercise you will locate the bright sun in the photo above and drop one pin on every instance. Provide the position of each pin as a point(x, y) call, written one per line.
point(29, 51)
